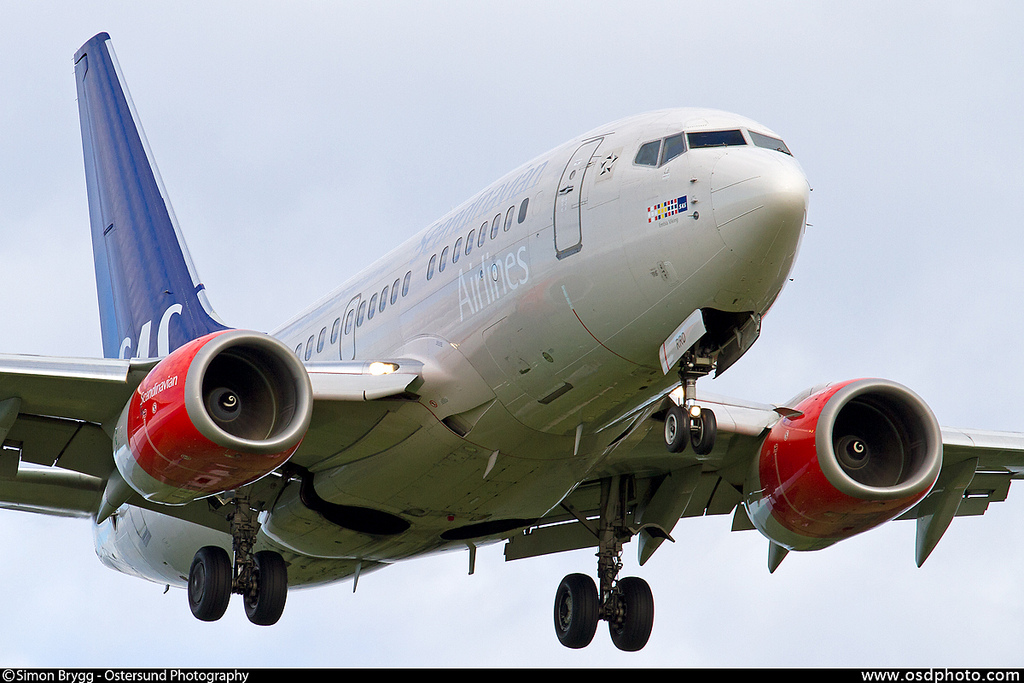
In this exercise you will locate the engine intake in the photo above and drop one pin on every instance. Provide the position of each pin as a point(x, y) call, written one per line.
point(250, 389)
point(221, 411)
point(859, 454)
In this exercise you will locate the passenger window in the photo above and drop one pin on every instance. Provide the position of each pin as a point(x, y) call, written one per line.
point(394, 293)
point(648, 154)
point(383, 298)
point(373, 307)
point(298, 350)
point(430, 266)
point(405, 283)
point(457, 251)
point(360, 315)
point(508, 217)
point(309, 347)
point(348, 321)
point(469, 241)
point(320, 340)
point(483, 234)
point(334, 331)
point(494, 226)
point(673, 147)
point(522, 209)
point(444, 260)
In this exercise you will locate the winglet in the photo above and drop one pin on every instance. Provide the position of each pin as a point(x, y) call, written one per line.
point(151, 299)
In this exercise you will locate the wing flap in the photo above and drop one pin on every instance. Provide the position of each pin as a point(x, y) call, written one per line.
point(52, 492)
point(985, 488)
point(41, 440)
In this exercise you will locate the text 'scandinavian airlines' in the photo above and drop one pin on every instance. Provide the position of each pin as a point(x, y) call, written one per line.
point(522, 371)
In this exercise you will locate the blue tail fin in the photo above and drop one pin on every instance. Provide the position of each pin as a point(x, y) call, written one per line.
point(151, 300)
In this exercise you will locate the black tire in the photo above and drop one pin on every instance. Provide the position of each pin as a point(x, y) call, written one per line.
point(677, 429)
point(265, 603)
point(704, 431)
point(577, 610)
point(631, 632)
point(209, 583)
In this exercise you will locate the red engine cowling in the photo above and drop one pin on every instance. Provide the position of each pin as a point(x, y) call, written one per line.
point(219, 412)
point(861, 453)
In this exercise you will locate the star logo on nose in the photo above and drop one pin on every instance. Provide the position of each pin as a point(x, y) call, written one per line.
point(607, 163)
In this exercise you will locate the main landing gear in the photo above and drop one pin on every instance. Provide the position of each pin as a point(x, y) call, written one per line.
point(689, 423)
point(261, 578)
point(626, 604)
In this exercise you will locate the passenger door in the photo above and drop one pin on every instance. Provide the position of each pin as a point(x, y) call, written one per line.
point(570, 199)
point(348, 329)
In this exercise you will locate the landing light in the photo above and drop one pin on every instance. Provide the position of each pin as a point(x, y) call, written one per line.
point(695, 411)
point(378, 368)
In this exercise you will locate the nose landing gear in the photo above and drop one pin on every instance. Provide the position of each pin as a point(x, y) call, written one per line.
point(689, 423)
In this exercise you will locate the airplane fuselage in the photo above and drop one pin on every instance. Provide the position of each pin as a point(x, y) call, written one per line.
point(552, 290)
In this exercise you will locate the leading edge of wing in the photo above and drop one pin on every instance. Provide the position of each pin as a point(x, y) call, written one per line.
point(994, 450)
point(96, 389)
point(86, 389)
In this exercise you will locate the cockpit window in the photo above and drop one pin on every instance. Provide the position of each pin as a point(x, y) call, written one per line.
point(768, 142)
point(673, 147)
point(715, 138)
point(648, 154)
point(660, 152)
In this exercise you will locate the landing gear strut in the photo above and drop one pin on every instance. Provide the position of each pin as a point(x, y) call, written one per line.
point(626, 604)
point(261, 578)
point(689, 423)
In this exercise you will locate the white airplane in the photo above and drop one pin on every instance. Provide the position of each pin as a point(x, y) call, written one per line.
point(522, 371)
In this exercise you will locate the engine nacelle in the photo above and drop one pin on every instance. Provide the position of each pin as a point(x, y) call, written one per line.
point(862, 453)
point(219, 412)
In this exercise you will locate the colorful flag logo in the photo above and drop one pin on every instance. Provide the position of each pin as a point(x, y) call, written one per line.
point(664, 210)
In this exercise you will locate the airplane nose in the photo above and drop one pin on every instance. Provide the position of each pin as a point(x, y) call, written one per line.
point(759, 201)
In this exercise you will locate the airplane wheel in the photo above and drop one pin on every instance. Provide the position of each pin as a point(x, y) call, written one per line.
point(677, 429)
point(209, 583)
point(704, 432)
point(631, 632)
point(265, 603)
point(576, 611)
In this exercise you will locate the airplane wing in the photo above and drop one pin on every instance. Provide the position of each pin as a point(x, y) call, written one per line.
point(57, 417)
point(977, 469)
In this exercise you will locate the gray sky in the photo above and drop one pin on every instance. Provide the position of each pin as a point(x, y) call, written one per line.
point(300, 141)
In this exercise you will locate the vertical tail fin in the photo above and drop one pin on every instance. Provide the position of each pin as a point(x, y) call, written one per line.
point(151, 299)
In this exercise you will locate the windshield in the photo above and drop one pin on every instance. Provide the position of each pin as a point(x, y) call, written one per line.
point(715, 138)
